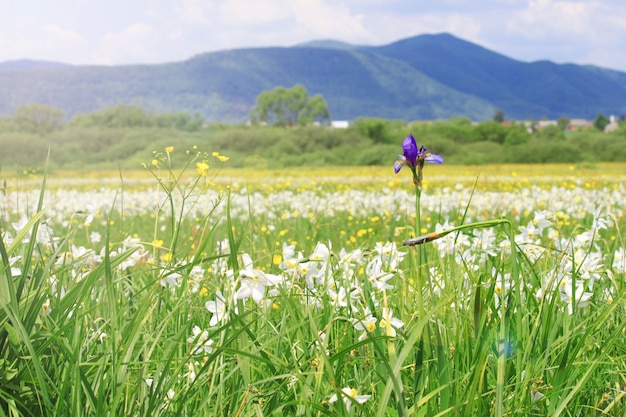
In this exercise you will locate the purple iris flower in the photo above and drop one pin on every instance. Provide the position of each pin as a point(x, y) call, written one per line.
point(415, 157)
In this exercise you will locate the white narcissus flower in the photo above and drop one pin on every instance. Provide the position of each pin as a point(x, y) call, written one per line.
point(170, 392)
point(254, 281)
point(578, 296)
point(171, 280)
point(377, 276)
point(45, 308)
point(217, 307)
point(95, 237)
point(389, 255)
point(619, 260)
point(91, 213)
point(541, 220)
point(201, 339)
point(528, 234)
point(367, 324)
point(394, 323)
point(338, 298)
point(349, 395)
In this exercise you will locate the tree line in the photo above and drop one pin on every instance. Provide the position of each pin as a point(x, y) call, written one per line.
point(289, 128)
point(43, 119)
point(278, 107)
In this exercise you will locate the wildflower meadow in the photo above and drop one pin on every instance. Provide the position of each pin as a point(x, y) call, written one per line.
point(420, 289)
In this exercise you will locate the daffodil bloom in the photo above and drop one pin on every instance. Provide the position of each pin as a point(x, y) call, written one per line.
point(414, 158)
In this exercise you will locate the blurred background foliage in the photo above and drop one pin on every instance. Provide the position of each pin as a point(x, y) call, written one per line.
point(124, 136)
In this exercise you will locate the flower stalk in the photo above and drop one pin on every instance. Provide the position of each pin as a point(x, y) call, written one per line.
point(414, 158)
point(429, 237)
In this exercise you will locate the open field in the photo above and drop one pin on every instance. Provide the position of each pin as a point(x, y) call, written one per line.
point(217, 291)
point(489, 177)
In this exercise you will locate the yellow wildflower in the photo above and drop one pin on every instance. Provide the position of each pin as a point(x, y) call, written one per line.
point(169, 149)
point(202, 168)
point(220, 157)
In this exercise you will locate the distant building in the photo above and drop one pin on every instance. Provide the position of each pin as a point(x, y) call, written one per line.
point(579, 124)
point(612, 126)
point(545, 123)
point(339, 124)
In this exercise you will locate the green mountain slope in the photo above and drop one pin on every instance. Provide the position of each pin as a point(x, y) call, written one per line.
point(425, 77)
point(522, 90)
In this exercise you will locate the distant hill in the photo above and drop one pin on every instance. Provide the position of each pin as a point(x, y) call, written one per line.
point(537, 89)
point(423, 77)
point(29, 64)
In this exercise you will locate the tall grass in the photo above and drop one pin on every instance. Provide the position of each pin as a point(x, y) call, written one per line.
point(219, 315)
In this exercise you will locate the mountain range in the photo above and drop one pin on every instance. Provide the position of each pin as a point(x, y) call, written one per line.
point(419, 78)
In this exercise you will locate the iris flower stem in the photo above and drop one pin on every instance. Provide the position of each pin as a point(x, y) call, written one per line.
point(418, 217)
point(418, 228)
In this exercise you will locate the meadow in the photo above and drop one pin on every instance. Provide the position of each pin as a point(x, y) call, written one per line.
point(208, 290)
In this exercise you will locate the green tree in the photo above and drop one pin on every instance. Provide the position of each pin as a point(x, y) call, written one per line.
point(122, 115)
point(552, 132)
point(517, 135)
point(600, 122)
point(498, 116)
point(289, 107)
point(38, 118)
point(456, 129)
point(375, 129)
point(181, 121)
point(490, 131)
point(563, 123)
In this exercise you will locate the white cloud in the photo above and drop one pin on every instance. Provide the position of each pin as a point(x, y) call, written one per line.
point(149, 31)
point(464, 26)
point(588, 32)
point(546, 18)
point(259, 12)
point(30, 39)
point(133, 44)
point(64, 35)
point(317, 18)
point(195, 11)
point(130, 35)
point(461, 25)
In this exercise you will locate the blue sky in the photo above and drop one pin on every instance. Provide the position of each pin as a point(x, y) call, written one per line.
point(115, 32)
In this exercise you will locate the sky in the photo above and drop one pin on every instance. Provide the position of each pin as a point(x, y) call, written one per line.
point(120, 32)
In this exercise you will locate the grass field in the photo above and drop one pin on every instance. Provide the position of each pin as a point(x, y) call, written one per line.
point(215, 291)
